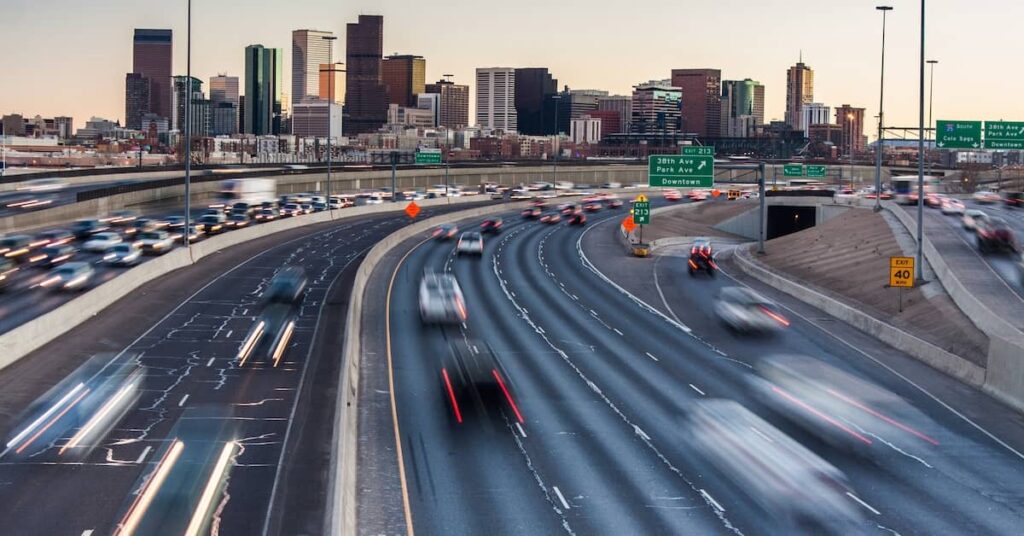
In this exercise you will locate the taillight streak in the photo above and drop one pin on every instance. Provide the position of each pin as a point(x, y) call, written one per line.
point(508, 396)
point(775, 316)
point(138, 509)
point(891, 421)
point(451, 395)
point(821, 415)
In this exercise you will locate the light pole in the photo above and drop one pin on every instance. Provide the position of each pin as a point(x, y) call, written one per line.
point(330, 112)
point(188, 134)
point(931, 94)
point(920, 158)
point(849, 147)
point(556, 146)
point(881, 114)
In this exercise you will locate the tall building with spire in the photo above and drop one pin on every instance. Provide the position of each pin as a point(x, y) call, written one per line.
point(799, 92)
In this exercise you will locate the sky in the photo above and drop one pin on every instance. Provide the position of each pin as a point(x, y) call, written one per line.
point(69, 57)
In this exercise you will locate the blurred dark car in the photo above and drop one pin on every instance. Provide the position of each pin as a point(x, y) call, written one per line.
point(212, 223)
point(16, 247)
point(83, 229)
point(1014, 199)
point(994, 234)
point(532, 212)
point(473, 377)
point(7, 270)
point(287, 286)
point(54, 255)
point(577, 218)
point(237, 220)
point(54, 237)
point(491, 225)
point(551, 217)
point(702, 257)
point(445, 231)
point(267, 214)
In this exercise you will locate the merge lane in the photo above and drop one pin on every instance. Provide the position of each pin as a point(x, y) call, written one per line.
point(192, 370)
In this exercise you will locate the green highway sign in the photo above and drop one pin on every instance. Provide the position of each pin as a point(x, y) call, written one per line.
point(694, 168)
point(817, 171)
point(1004, 135)
point(428, 157)
point(793, 170)
point(642, 212)
point(958, 134)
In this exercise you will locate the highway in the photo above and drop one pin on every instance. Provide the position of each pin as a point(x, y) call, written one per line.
point(604, 372)
point(186, 331)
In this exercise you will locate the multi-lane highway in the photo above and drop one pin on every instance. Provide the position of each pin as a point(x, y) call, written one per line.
point(186, 330)
point(604, 370)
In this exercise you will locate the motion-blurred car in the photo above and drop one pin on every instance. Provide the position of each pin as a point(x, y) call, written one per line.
point(932, 200)
point(319, 206)
point(307, 208)
point(211, 223)
point(54, 237)
point(798, 490)
point(83, 229)
point(702, 258)
point(290, 210)
point(531, 212)
point(101, 242)
point(441, 300)
point(195, 233)
point(985, 197)
point(743, 310)
point(267, 214)
point(491, 225)
point(472, 376)
point(672, 195)
point(566, 208)
point(16, 247)
point(1014, 199)
point(123, 254)
point(551, 217)
point(952, 206)
point(123, 218)
point(237, 221)
point(994, 234)
point(280, 304)
point(7, 271)
point(445, 231)
point(613, 202)
point(612, 184)
point(243, 208)
point(592, 205)
point(845, 196)
point(578, 218)
point(175, 223)
point(971, 218)
point(470, 244)
point(155, 242)
point(69, 276)
point(54, 255)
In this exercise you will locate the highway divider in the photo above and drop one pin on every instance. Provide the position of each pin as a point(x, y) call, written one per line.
point(924, 351)
point(1005, 364)
point(34, 334)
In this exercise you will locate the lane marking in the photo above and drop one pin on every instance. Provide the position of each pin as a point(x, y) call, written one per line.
point(210, 362)
point(694, 387)
point(760, 433)
point(87, 532)
point(561, 498)
point(638, 431)
point(521, 431)
point(894, 372)
point(183, 399)
point(710, 499)
point(407, 509)
point(650, 355)
point(657, 285)
point(862, 503)
point(617, 331)
point(142, 456)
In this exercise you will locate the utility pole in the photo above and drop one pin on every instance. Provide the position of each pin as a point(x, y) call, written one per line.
point(881, 119)
point(330, 109)
point(188, 134)
point(920, 159)
point(394, 179)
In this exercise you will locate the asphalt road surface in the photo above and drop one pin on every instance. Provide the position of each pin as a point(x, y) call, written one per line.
point(186, 330)
point(604, 380)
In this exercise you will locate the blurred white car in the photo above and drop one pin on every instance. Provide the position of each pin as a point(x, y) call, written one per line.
point(69, 276)
point(952, 206)
point(470, 244)
point(972, 217)
point(744, 310)
point(441, 300)
point(155, 242)
point(845, 196)
point(101, 242)
point(985, 197)
point(123, 254)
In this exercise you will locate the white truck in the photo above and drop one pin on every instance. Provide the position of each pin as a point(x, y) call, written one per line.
point(251, 191)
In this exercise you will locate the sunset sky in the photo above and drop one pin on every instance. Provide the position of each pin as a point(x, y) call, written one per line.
point(69, 57)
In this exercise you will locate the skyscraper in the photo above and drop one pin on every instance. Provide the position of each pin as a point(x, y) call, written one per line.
point(815, 113)
point(200, 117)
point(224, 88)
point(851, 122)
point(656, 109)
point(534, 86)
point(136, 99)
point(495, 99)
point(799, 91)
point(332, 82)
point(365, 93)
point(701, 100)
point(405, 77)
point(310, 49)
point(224, 100)
point(262, 90)
point(454, 108)
point(742, 107)
point(152, 55)
point(621, 105)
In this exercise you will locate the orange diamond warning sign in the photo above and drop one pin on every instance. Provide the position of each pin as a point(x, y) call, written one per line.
point(628, 225)
point(412, 210)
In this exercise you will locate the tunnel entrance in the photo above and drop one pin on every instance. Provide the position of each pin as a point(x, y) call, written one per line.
point(784, 220)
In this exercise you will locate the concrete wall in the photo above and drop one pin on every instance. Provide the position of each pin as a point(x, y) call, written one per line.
point(204, 192)
point(1005, 378)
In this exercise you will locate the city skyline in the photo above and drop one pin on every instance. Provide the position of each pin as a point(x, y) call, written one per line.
point(586, 58)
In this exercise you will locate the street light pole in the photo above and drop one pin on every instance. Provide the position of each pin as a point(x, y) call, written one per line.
point(931, 94)
point(881, 116)
point(188, 133)
point(920, 158)
point(556, 146)
point(330, 109)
